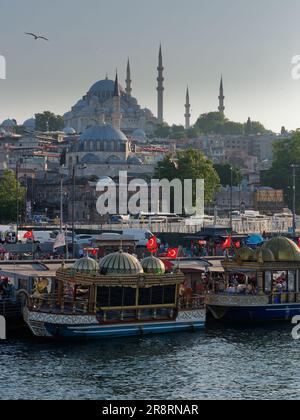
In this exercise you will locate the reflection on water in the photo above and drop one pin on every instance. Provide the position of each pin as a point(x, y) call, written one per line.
point(219, 363)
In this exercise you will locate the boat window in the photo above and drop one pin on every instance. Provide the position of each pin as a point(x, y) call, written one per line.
point(103, 297)
point(115, 296)
point(144, 297)
point(169, 294)
point(129, 296)
point(157, 295)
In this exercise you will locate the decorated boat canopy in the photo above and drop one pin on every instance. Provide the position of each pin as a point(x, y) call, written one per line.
point(278, 249)
point(119, 269)
point(279, 253)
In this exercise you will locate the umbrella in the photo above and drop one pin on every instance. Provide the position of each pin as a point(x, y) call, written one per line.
point(254, 240)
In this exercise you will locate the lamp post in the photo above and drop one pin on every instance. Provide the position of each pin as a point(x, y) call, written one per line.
point(61, 203)
point(231, 195)
point(73, 211)
point(294, 167)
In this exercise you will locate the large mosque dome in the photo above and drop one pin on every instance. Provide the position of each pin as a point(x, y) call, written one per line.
point(29, 124)
point(104, 87)
point(103, 132)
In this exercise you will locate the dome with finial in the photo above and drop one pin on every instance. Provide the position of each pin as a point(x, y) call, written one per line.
point(153, 265)
point(85, 265)
point(104, 87)
point(120, 263)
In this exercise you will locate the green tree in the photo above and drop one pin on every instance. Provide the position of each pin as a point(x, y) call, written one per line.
point(231, 128)
point(190, 164)
point(286, 153)
point(224, 173)
point(211, 123)
point(193, 133)
point(11, 192)
point(47, 121)
point(163, 131)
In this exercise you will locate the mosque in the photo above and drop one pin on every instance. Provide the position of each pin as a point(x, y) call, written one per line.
point(97, 105)
point(102, 148)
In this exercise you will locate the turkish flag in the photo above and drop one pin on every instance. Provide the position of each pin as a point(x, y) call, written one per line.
point(168, 265)
point(227, 243)
point(152, 245)
point(173, 253)
point(237, 245)
point(28, 235)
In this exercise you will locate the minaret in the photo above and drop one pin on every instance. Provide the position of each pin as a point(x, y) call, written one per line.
point(221, 98)
point(160, 89)
point(128, 80)
point(187, 110)
point(117, 116)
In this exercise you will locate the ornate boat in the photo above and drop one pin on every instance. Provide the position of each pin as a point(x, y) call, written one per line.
point(120, 297)
point(261, 285)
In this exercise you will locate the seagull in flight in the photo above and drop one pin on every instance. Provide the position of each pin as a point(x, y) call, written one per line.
point(36, 37)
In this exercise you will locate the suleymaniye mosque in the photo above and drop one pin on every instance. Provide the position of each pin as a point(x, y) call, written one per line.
point(97, 106)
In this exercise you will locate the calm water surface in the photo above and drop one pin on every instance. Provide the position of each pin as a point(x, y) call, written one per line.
point(261, 363)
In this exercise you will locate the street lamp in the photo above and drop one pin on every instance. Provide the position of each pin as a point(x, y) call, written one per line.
point(73, 211)
point(231, 194)
point(294, 167)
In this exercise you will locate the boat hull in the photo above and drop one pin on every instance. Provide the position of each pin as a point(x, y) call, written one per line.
point(88, 327)
point(250, 314)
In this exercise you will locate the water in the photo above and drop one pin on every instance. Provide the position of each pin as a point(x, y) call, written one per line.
point(260, 363)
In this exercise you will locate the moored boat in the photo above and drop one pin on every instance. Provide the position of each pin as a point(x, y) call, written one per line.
point(260, 285)
point(120, 297)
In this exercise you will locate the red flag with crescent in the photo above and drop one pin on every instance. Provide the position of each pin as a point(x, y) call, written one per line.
point(28, 235)
point(152, 245)
point(173, 253)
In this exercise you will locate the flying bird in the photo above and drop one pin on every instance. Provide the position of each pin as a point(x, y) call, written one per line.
point(36, 37)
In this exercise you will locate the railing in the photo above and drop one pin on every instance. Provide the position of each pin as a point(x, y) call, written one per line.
point(236, 299)
point(192, 303)
point(244, 226)
point(53, 303)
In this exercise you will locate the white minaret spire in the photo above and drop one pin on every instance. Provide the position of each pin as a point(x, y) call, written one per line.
point(160, 88)
point(187, 110)
point(117, 116)
point(221, 97)
point(128, 79)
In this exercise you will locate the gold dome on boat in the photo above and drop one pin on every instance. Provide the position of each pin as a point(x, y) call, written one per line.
point(86, 265)
point(153, 265)
point(120, 263)
point(264, 255)
point(246, 254)
point(283, 249)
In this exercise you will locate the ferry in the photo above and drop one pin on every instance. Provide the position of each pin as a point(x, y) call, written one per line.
point(261, 285)
point(118, 297)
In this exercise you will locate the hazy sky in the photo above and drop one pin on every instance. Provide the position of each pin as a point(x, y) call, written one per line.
point(251, 42)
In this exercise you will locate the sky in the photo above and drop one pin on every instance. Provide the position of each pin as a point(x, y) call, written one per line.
point(250, 42)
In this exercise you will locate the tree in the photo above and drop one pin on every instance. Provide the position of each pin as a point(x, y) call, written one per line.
point(211, 123)
point(256, 128)
point(193, 133)
point(286, 153)
point(224, 173)
point(190, 164)
point(162, 131)
point(47, 121)
point(11, 193)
